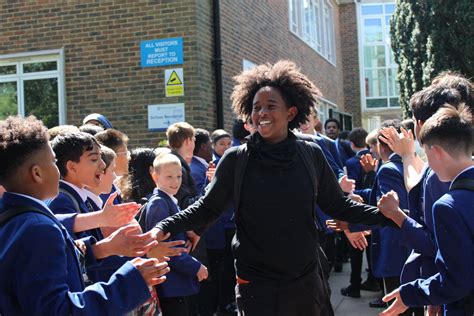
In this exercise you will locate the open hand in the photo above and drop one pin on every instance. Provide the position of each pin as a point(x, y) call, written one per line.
point(356, 198)
point(127, 241)
point(167, 249)
point(402, 144)
point(397, 306)
point(357, 239)
point(151, 270)
point(119, 214)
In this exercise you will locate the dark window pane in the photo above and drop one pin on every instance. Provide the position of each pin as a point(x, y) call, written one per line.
point(376, 103)
point(8, 70)
point(394, 102)
point(8, 99)
point(37, 67)
point(41, 100)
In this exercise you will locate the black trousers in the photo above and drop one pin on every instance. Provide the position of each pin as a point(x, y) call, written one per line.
point(393, 283)
point(176, 306)
point(306, 296)
point(356, 256)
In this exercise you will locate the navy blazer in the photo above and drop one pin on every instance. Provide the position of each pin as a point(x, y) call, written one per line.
point(388, 254)
point(417, 230)
point(345, 151)
point(331, 146)
point(182, 279)
point(105, 196)
point(41, 273)
point(198, 172)
point(355, 170)
point(453, 224)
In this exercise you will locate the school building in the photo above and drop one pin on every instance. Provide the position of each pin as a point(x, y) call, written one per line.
point(146, 64)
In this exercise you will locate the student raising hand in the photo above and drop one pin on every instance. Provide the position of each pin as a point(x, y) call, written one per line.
point(151, 270)
point(119, 214)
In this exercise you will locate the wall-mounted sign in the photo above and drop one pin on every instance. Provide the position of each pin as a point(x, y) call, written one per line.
point(174, 82)
point(160, 116)
point(161, 52)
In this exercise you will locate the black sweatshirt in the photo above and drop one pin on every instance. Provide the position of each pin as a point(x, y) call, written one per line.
point(276, 236)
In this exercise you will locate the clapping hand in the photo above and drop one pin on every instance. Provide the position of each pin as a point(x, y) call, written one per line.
point(368, 163)
point(402, 143)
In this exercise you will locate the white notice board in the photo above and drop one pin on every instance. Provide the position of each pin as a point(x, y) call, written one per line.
point(160, 116)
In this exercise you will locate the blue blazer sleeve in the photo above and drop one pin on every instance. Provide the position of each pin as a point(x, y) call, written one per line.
point(418, 237)
point(158, 210)
point(62, 204)
point(456, 275)
point(68, 221)
point(41, 288)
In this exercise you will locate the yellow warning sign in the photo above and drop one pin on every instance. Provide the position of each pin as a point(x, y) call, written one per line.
point(174, 83)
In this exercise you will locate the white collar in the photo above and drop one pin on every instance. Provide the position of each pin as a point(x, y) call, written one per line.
point(78, 190)
point(95, 198)
point(391, 156)
point(470, 167)
point(175, 201)
point(201, 160)
point(34, 199)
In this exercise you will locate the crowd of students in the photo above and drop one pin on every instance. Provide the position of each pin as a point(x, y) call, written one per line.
point(89, 227)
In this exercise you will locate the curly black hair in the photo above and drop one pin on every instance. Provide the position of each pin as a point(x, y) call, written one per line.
point(19, 139)
point(295, 88)
point(138, 183)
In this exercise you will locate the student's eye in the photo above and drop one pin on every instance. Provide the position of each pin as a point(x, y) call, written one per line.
point(256, 108)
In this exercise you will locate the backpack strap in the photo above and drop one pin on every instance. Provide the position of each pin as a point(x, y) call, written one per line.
point(12, 212)
point(462, 184)
point(77, 208)
point(241, 159)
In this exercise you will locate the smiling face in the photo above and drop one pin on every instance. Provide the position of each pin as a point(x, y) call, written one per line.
point(168, 177)
point(222, 145)
point(270, 115)
point(88, 171)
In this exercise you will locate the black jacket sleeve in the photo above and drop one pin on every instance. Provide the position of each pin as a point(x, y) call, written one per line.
point(332, 201)
point(209, 207)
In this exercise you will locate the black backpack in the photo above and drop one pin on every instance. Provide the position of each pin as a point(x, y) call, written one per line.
point(462, 184)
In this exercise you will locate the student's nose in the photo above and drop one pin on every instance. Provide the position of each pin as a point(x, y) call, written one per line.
point(102, 164)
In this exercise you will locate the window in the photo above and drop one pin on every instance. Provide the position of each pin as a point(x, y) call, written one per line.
point(247, 64)
point(379, 70)
point(33, 84)
point(313, 22)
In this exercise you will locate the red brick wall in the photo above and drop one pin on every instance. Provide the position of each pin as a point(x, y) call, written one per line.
point(350, 61)
point(261, 33)
point(101, 41)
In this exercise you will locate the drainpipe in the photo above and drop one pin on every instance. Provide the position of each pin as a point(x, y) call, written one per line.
point(217, 62)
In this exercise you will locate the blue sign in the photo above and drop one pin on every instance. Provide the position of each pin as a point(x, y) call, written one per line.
point(162, 52)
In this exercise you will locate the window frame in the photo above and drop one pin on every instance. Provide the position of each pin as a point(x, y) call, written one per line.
point(20, 59)
point(388, 65)
point(322, 38)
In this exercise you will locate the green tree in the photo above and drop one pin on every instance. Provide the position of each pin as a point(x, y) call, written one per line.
point(428, 37)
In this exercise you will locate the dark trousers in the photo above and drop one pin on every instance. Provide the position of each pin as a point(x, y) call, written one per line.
point(393, 283)
point(328, 244)
point(306, 296)
point(176, 306)
point(228, 275)
point(209, 295)
point(356, 256)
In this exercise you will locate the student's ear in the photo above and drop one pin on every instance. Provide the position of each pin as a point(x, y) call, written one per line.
point(154, 175)
point(438, 152)
point(292, 112)
point(70, 166)
point(36, 174)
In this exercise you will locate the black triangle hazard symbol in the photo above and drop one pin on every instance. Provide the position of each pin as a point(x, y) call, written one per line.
point(174, 80)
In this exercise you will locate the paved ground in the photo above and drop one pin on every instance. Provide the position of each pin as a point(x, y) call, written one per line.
point(347, 306)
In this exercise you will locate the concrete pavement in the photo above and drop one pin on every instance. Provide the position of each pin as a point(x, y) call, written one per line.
point(348, 306)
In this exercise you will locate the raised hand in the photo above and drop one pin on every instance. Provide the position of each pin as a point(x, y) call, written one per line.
point(118, 215)
point(158, 234)
point(167, 249)
point(397, 306)
point(202, 273)
point(356, 198)
point(211, 170)
point(347, 185)
point(402, 144)
point(368, 163)
point(151, 270)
